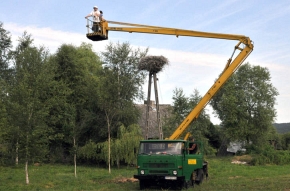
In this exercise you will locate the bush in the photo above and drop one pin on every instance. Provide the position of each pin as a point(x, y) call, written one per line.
point(267, 155)
point(271, 157)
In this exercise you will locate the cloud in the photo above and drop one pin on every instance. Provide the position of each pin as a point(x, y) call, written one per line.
point(52, 39)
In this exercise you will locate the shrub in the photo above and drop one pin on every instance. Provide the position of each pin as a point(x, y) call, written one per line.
point(271, 157)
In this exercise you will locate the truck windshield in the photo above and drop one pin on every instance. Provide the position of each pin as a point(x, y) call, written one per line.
point(161, 148)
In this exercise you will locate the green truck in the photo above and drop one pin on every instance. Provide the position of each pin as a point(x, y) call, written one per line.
point(169, 163)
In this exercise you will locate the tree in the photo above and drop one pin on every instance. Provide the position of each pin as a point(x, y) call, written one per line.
point(123, 148)
point(180, 110)
point(5, 56)
point(199, 128)
point(77, 68)
point(5, 73)
point(202, 128)
point(122, 61)
point(3, 132)
point(245, 104)
point(285, 141)
point(201, 125)
point(108, 102)
point(120, 85)
point(128, 146)
point(26, 108)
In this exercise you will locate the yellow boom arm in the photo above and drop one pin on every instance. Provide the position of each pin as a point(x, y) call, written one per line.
point(244, 45)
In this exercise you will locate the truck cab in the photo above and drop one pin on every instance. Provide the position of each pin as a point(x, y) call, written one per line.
point(169, 163)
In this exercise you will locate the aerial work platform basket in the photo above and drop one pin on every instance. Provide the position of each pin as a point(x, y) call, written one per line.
point(95, 31)
point(95, 36)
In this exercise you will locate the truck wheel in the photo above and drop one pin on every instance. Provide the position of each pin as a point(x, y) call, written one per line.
point(184, 185)
point(191, 182)
point(142, 184)
point(200, 175)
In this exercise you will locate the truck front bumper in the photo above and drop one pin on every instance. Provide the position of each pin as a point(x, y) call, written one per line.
point(159, 177)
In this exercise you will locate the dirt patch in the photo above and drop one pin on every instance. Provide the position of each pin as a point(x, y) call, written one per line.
point(49, 185)
point(124, 179)
point(238, 162)
point(244, 159)
point(234, 177)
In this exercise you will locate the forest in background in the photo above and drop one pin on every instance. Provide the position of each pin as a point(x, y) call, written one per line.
point(282, 127)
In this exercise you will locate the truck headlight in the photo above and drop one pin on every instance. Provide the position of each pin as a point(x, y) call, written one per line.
point(174, 172)
point(142, 172)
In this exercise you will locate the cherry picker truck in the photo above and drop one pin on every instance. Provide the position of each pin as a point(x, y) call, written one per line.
point(168, 161)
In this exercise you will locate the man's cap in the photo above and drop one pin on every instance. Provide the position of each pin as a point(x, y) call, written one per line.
point(95, 7)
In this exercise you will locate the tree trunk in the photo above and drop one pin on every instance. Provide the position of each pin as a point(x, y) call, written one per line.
point(118, 162)
point(26, 163)
point(16, 157)
point(75, 157)
point(26, 172)
point(109, 142)
point(222, 151)
point(17, 148)
point(109, 152)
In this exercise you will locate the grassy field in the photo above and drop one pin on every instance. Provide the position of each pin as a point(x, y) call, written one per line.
point(222, 176)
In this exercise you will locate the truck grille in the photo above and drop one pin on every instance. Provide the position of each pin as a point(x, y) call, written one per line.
point(159, 165)
point(158, 172)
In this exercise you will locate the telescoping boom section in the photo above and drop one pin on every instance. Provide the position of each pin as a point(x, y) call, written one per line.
point(244, 46)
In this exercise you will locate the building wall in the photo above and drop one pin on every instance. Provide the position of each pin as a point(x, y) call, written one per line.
point(164, 110)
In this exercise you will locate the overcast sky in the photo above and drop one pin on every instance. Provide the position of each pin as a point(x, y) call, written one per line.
point(194, 62)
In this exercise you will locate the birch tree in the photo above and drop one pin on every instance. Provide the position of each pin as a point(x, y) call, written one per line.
point(120, 86)
point(27, 108)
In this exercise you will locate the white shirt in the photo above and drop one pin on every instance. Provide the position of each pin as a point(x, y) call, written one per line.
point(96, 15)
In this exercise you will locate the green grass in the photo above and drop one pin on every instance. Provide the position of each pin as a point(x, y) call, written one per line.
point(61, 177)
point(222, 176)
point(227, 176)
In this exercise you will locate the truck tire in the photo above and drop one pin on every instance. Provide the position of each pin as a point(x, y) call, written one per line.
point(142, 184)
point(200, 176)
point(191, 182)
point(184, 185)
